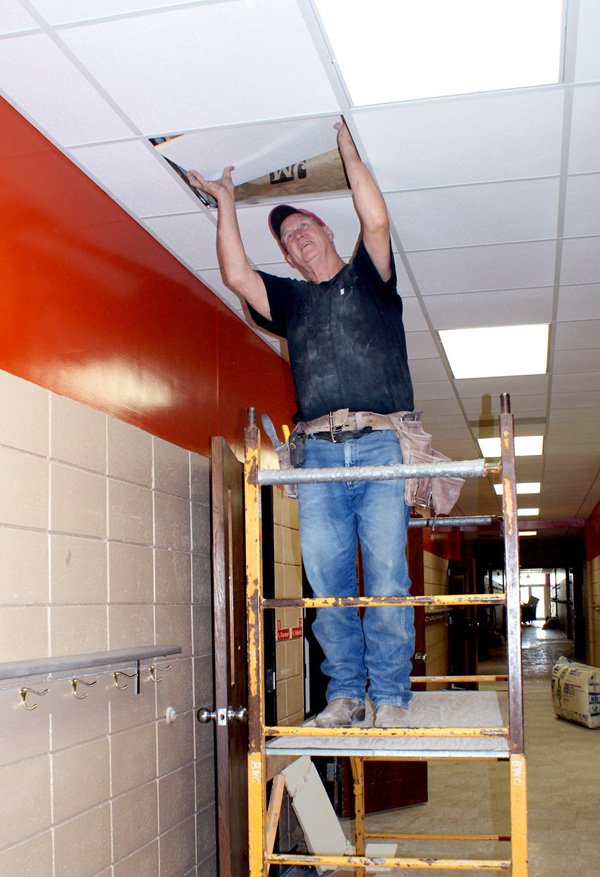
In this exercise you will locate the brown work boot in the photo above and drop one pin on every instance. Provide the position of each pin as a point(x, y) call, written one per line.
point(341, 712)
point(390, 715)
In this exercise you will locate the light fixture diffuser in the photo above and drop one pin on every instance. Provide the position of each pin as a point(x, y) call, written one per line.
point(496, 351)
point(525, 446)
point(522, 487)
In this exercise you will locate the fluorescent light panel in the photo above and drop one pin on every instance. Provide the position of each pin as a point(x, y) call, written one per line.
point(496, 351)
point(527, 532)
point(522, 487)
point(525, 446)
point(527, 513)
point(394, 50)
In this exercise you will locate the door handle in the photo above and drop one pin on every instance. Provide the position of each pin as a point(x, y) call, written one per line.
point(420, 656)
point(222, 716)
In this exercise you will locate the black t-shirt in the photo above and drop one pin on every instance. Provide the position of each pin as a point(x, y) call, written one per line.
point(345, 337)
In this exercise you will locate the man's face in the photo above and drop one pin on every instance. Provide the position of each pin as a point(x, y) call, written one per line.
point(304, 238)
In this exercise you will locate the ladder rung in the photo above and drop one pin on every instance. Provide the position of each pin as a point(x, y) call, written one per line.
point(357, 731)
point(415, 864)
point(434, 600)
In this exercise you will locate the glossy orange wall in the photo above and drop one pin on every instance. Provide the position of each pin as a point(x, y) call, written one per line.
point(92, 307)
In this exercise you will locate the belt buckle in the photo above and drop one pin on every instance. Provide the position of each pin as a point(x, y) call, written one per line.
point(332, 428)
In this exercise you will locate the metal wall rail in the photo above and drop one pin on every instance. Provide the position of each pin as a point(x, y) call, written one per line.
point(263, 820)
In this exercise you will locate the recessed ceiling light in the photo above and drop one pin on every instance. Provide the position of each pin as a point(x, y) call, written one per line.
point(527, 512)
point(522, 487)
point(527, 532)
point(497, 351)
point(394, 50)
point(525, 446)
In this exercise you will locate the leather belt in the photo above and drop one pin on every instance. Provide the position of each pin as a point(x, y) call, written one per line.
point(342, 425)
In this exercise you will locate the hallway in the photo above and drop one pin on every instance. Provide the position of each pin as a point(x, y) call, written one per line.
point(563, 778)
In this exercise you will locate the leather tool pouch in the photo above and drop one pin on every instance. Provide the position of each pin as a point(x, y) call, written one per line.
point(291, 456)
point(425, 493)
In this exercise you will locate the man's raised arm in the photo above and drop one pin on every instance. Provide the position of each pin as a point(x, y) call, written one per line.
point(368, 202)
point(236, 272)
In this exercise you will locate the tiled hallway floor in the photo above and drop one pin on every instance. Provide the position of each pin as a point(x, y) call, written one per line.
point(563, 778)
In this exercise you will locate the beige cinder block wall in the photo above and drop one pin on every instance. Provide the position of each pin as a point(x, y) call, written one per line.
point(435, 573)
point(592, 592)
point(104, 544)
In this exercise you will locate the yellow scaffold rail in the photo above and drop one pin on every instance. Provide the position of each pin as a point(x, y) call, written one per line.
point(263, 820)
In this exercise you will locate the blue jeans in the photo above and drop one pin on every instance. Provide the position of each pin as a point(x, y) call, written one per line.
point(335, 518)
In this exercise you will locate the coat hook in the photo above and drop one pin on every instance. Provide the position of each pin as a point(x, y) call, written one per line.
point(116, 675)
point(25, 691)
point(154, 670)
point(75, 682)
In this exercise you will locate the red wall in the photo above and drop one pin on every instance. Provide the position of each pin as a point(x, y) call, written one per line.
point(447, 545)
point(93, 308)
point(592, 534)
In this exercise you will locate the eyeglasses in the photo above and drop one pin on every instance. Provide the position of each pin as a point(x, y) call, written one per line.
point(297, 229)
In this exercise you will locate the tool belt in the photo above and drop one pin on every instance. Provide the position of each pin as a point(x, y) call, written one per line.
point(423, 494)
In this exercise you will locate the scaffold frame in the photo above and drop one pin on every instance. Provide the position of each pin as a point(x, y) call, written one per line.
point(262, 816)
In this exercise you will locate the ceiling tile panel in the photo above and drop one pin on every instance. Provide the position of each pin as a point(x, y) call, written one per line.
point(420, 345)
point(425, 391)
point(588, 38)
point(135, 176)
point(465, 216)
point(576, 303)
point(584, 143)
point(428, 370)
point(503, 307)
point(577, 335)
point(580, 261)
point(15, 19)
point(412, 314)
point(577, 361)
point(43, 83)
point(191, 237)
point(515, 385)
point(467, 139)
point(70, 11)
point(484, 405)
point(484, 268)
point(211, 70)
point(573, 382)
point(582, 207)
point(576, 400)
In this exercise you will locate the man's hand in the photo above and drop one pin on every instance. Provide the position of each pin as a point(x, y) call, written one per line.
point(222, 189)
point(344, 138)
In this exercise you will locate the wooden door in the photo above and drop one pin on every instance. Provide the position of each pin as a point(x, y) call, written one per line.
point(229, 626)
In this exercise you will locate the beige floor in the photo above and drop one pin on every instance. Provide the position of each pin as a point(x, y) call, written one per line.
point(564, 790)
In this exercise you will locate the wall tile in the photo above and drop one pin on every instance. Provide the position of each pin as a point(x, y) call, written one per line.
point(82, 845)
point(200, 479)
point(143, 863)
point(174, 626)
point(23, 489)
point(130, 624)
point(23, 633)
point(206, 832)
point(78, 629)
point(131, 573)
point(175, 688)
point(78, 570)
point(78, 502)
point(18, 819)
point(201, 531)
point(202, 579)
point(24, 567)
point(35, 855)
point(81, 778)
point(172, 522)
point(25, 415)
point(25, 733)
point(78, 721)
point(134, 819)
point(129, 513)
point(176, 742)
point(203, 630)
point(129, 453)
point(203, 681)
point(129, 772)
point(205, 782)
point(178, 850)
point(173, 576)
point(77, 434)
point(128, 709)
point(176, 796)
point(171, 468)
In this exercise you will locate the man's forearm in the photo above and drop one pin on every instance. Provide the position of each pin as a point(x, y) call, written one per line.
point(368, 200)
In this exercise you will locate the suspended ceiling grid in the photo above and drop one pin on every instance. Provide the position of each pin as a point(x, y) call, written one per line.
point(494, 198)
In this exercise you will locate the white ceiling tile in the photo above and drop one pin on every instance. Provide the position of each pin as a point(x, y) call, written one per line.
point(509, 308)
point(212, 70)
point(420, 345)
point(191, 237)
point(486, 405)
point(584, 144)
point(405, 287)
point(50, 90)
point(583, 415)
point(582, 206)
point(515, 385)
point(578, 303)
point(580, 361)
point(134, 175)
point(576, 400)
point(428, 370)
point(69, 11)
point(577, 335)
point(580, 261)
point(439, 407)
point(464, 216)
point(469, 139)
point(412, 315)
point(588, 37)
point(425, 391)
point(14, 18)
point(213, 280)
point(484, 268)
point(573, 382)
